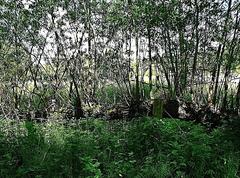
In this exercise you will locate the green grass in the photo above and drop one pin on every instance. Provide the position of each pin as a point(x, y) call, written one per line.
point(142, 148)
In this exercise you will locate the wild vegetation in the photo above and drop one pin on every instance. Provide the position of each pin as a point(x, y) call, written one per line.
point(148, 147)
point(119, 88)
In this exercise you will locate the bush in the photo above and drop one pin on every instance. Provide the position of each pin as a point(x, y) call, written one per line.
point(148, 147)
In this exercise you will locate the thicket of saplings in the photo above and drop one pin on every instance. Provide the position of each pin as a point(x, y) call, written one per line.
point(143, 147)
point(110, 102)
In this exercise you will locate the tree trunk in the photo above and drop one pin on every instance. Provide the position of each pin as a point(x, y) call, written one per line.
point(229, 65)
point(196, 45)
point(150, 59)
point(219, 62)
point(216, 73)
point(238, 96)
point(137, 74)
point(78, 105)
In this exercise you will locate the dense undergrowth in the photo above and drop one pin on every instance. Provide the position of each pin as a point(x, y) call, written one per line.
point(145, 148)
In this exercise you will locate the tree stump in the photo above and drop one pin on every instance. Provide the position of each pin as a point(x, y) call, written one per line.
point(158, 108)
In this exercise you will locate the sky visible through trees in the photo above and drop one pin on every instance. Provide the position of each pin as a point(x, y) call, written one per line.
point(66, 52)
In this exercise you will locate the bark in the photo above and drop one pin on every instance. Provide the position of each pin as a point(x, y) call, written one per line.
point(168, 49)
point(78, 105)
point(150, 58)
point(196, 45)
point(230, 60)
point(214, 74)
point(238, 96)
point(137, 73)
point(219, 62)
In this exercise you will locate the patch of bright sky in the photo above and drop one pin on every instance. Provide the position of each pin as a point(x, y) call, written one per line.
point(74, 36)
point(27, 3)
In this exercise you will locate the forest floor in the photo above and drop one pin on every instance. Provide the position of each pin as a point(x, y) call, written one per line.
point(147, 147)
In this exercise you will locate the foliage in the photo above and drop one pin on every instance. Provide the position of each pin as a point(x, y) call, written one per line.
point(148, 147)
point(62, 48)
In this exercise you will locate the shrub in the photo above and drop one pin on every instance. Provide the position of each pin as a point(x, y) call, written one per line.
point(148, 147)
